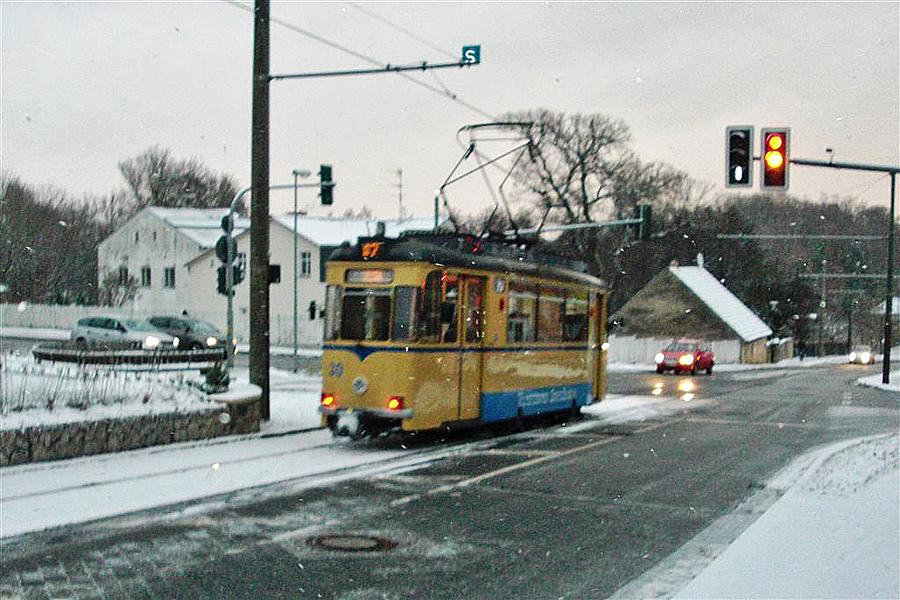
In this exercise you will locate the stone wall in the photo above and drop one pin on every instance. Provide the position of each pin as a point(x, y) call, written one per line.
point(35, 444)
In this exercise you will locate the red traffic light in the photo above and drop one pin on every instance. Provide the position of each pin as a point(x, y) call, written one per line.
point(775, 158)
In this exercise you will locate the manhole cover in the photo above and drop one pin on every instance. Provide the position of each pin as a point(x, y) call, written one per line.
point(351, 543)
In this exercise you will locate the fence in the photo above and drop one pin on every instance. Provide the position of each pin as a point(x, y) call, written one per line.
point(631, 349)
point(52, 316)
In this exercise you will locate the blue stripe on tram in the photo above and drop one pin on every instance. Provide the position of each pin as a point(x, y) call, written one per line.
point(499, 406)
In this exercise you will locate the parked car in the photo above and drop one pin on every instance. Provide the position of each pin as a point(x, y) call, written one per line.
point(193, 333)
point(114, 331)
point(685, 356)
point(862, 355)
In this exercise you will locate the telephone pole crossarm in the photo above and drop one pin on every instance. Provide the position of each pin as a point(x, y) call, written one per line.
point(423, 66)
point(773, 236)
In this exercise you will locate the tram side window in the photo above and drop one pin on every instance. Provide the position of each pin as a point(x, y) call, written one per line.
point(407, 309)
point(430, 322)
point(575, 317)
point(332, 312)
point(550, 311)
point(365, 314)
point(522, 313)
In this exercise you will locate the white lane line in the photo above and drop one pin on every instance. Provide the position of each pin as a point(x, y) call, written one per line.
point(777, 424)
point(522, 465)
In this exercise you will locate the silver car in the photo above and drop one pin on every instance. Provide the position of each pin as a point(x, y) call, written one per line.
point(130, 332)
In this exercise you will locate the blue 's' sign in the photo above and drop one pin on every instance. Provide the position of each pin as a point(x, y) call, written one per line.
point(471, 55)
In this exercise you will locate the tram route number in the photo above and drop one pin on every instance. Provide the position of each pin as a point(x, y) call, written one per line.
point(370, 249)
point(335, 369)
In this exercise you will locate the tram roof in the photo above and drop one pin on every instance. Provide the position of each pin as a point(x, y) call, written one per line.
point(440, 250)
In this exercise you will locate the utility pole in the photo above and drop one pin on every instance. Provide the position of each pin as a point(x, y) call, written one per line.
point(400, 193)
point(259, 208)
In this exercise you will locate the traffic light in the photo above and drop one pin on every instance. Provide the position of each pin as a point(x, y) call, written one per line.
point(221, 286)
point(326, 185)
point(775, 157)
point(641, 230)
point(237, 273)
point(739, 156)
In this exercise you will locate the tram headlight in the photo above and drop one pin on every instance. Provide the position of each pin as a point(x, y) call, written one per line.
point(660, 357)
point(395, 403)
point(686, 360)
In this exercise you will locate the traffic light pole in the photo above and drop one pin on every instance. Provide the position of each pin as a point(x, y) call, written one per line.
point(229, 264)
point(889, 284)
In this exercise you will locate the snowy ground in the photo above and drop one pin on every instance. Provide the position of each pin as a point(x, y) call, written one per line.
point(875, 381)
point(52, 393)
point(102, 486)
point(834, 533)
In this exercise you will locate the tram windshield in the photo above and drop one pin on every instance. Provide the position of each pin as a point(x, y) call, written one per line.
point(403, 313)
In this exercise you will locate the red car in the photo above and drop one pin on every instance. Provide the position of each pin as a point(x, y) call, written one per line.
point(685, 356)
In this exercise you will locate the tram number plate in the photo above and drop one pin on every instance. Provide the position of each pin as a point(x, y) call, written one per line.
point(335, 369)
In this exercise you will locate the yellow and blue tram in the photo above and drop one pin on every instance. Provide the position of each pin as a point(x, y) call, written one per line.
point(430, 330)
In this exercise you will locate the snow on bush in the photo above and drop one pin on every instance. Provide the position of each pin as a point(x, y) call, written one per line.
point(27, 386)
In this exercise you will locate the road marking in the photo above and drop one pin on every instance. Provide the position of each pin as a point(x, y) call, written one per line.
point(522, 465)
point(777, 424)
point(504, 451)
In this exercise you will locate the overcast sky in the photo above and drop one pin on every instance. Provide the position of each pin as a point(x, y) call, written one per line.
point(85, 85)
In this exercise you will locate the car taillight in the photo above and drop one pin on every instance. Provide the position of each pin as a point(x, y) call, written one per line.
point(395, 403)
point(327, 400)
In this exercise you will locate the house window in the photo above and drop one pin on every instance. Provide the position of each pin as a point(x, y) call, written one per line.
point(136, 237)
point(123, 275)
point(305, 264)
point(169, 277)
point(154, 235)
point(145, 276)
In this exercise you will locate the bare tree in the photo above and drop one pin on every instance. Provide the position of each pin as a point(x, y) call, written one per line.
point(155, 178)
point(116, 291)
point(573, 160)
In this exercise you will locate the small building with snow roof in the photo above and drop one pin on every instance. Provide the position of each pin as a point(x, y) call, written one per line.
point(687, 302)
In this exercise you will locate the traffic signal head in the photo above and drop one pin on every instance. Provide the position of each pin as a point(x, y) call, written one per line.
point(221, 286)
point(739, 156)
point(641, 230)
point(326, 185)
point(775, 156)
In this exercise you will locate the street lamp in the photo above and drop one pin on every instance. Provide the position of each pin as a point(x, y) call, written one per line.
point(297, 173)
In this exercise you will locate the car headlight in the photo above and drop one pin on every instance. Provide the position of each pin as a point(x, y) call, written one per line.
point(853, 357)
point(865, 357)
point(211, 341)
point(151, 342)
point(686, 359)
point(660, 357)
point(175, 342)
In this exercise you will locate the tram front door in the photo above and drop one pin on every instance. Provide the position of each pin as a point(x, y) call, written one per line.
point(471, 341)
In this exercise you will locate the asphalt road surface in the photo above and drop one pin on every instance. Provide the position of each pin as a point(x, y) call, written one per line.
point(555, 512)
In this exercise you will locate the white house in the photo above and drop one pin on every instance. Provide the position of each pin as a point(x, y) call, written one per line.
point(154, 246)
point(317, 237)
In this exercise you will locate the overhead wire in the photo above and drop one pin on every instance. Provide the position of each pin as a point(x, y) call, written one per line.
point(402, 29)
point(314, 36)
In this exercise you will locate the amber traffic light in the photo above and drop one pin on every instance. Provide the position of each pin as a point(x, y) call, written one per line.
point(775, 156)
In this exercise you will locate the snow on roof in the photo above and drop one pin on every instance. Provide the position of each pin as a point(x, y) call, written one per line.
point(723, 303)
point(895, 307)
point(325, 231)
point(202, 225)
